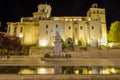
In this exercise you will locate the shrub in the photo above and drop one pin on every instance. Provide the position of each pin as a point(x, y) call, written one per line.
point(47, 55)
point(68, 55)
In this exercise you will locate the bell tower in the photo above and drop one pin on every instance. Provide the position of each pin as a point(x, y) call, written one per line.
point(99, 14)
point(44, 12)
point(96, 13)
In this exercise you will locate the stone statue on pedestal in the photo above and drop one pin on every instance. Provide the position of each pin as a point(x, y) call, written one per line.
point(58, 44)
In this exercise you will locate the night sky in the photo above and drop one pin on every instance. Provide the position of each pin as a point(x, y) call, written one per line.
point(13, 10)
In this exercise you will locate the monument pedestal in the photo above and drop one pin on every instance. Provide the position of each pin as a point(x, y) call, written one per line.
point(58, 46)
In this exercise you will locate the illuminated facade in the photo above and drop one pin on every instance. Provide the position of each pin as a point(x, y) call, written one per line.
point(41, 28)
point(51, 63)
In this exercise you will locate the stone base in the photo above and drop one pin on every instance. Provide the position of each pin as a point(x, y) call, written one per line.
point(57, 56)
point(76, 48)
point(103, 48)
point(90, 48)
point(40, 51)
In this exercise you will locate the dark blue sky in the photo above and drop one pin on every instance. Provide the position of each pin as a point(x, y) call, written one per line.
point(13, 10)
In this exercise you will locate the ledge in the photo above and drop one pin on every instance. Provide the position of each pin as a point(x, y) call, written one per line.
point(58, 77)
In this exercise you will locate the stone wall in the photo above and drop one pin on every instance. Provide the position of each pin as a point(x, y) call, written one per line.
point(59, 77)
point(40, 51)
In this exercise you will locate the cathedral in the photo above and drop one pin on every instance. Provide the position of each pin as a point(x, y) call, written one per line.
point(41, 28)
point(51, 61)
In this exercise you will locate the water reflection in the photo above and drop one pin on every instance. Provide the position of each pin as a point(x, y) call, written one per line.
point(76, 70)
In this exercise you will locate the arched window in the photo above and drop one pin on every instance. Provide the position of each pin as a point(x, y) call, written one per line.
point(69, 41)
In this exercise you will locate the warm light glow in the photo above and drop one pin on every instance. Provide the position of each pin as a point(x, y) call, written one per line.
point(70, 19)
point(75, 19)
point(45, 71)
point(89, 72)
point(43, 43)
point(76, 42)
point(113, 70)
point(20, 35)
point(110, 45)
point(88, 41)
point(76, 71)
point(41, 71)
point(89, 19)
point(66, 19)
point(106, 71)
point(53, 44)
point(103, 42)
point(26, 71)
point(80, 19)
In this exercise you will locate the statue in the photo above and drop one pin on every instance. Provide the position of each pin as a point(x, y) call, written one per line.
point(58, 44)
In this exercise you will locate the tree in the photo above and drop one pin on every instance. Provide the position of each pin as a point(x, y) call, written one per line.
point(8, 42)
point(114, 33)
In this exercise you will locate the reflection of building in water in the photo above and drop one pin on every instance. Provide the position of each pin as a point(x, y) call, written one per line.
point(41, 28)
point(72, 70)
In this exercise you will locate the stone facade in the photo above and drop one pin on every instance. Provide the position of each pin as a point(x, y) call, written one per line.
point(41, 28)
point(40, 51)
point(27, 31)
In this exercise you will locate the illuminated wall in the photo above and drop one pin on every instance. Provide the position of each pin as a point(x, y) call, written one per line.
point(47, 31)
point(44, 12)
point(27, 31)
point(41, 28)
point(99, 13)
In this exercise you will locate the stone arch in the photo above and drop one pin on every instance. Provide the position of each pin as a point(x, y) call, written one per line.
point(69, 42)
point(81, 42)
